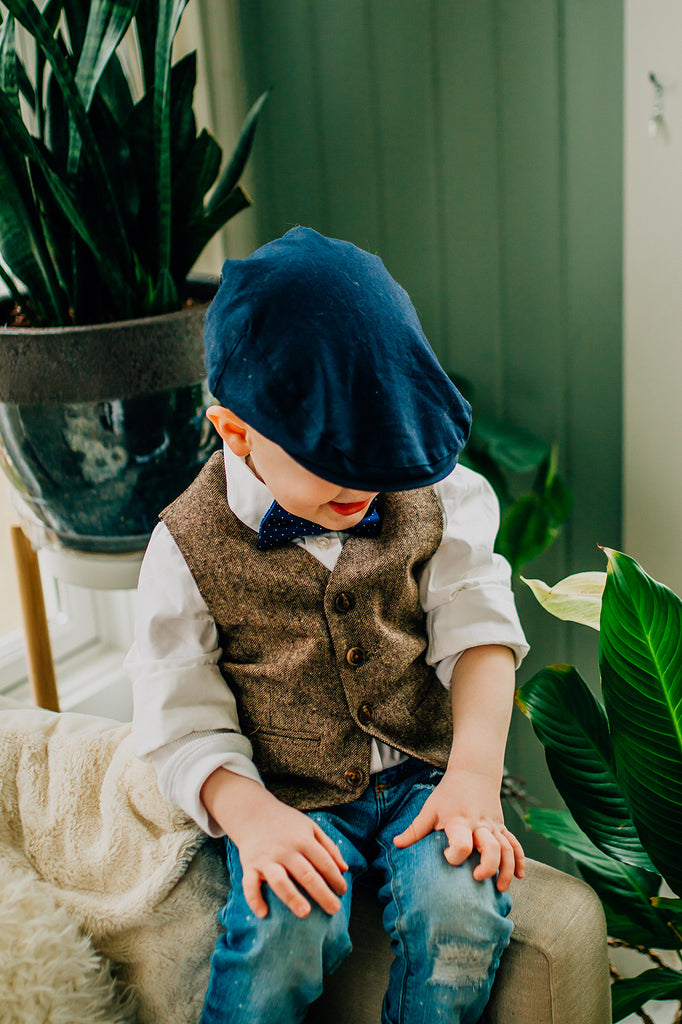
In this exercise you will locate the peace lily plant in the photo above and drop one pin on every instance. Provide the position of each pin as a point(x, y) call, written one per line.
point(618, 765)
point(108, 194)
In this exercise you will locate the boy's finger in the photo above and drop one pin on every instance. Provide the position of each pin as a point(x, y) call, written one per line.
point(285, 890)
point(490, 850)
point(330, 846)
point(460, 845)
point(251, 886)
point(307, 876)
point(507, 862)
point(420, 827)
point(327, 867)
point(519, 855)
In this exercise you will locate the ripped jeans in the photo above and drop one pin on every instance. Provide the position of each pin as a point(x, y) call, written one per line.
point(447, 931)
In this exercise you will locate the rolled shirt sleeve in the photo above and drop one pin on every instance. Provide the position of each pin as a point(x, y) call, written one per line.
point(185, 716)
point(465, 589)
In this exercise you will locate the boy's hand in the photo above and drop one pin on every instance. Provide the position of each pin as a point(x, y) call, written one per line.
point(277, 844)
point(466, 806)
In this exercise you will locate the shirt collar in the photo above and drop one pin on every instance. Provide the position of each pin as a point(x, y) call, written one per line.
point(248, 497)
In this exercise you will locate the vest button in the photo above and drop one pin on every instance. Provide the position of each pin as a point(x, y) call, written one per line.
point(365, 714)
point(355, 656)
point(354, 777)
point(344, 602)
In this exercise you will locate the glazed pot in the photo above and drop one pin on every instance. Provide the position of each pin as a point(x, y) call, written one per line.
point(102, 426)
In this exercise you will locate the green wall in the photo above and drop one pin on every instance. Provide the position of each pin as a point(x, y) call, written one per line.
point(476, 146)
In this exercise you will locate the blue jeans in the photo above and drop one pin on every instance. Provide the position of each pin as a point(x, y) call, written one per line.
point(447, 930)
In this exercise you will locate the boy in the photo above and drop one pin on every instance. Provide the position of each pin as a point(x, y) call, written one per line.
point(324, 660)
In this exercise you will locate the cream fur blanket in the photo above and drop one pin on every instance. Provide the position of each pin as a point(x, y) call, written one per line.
point(81, 813)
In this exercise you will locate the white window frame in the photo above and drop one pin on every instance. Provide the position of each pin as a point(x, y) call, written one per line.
point(90, 633)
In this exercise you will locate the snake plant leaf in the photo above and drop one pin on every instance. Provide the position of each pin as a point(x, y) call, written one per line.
point(233, 171)
point(13, 77)
point(108, 21)
point(21, 239)
point(197, 174)
point(571, 724)
point(576, 598)
point(8, 62)
point(68, 205)
point(27, 14)
point(628, 995)
point(146, 20)
point(52, 12)
point(640, 659)
point(169, 14)
point(625, 890)
point(183, 82)
point(10, 285)
point(201, 232)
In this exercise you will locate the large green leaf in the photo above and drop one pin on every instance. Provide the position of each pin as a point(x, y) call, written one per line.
point(635, 926)
point(641, 668)
point(572, 726)
point(534, 521)
point(624, 889)
point(630, 994)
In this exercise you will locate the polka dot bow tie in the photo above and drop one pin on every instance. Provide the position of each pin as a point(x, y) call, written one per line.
point(278, 527)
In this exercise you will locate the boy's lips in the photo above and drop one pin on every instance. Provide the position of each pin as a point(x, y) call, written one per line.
point(348, 508)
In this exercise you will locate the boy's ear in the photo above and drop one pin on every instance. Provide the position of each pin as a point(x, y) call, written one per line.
point(231, 428)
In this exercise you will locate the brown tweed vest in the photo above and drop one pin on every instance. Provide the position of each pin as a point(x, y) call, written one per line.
point(318, 661)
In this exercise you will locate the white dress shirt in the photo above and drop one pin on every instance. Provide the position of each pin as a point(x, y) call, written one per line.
point(185, 716)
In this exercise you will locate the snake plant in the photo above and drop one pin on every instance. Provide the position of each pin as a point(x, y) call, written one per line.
point(618, 764)
point(108, 194)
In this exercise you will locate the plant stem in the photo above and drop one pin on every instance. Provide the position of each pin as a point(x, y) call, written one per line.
point(620, 943)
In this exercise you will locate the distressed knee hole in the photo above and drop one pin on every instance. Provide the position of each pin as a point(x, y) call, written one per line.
point(460, 964)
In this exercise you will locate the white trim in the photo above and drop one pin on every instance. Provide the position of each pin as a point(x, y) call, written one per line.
point(90, 633)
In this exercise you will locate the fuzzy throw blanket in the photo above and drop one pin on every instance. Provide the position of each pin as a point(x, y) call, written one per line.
point(83, 816)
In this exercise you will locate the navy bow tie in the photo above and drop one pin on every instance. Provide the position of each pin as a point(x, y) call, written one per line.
point(279, 526)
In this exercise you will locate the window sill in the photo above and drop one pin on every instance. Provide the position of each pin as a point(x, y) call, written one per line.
point(92, 682)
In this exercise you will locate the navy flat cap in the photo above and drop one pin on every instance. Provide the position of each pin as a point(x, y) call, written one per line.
point(313, 344)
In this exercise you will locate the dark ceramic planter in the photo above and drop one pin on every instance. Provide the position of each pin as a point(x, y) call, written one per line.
point(101, 427)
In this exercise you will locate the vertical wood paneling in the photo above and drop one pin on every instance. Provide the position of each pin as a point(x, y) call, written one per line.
point(288, 159)
point(403, 100)
point(593, 277)
point(529, 119)
point(344, 89)
point(464, 75)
